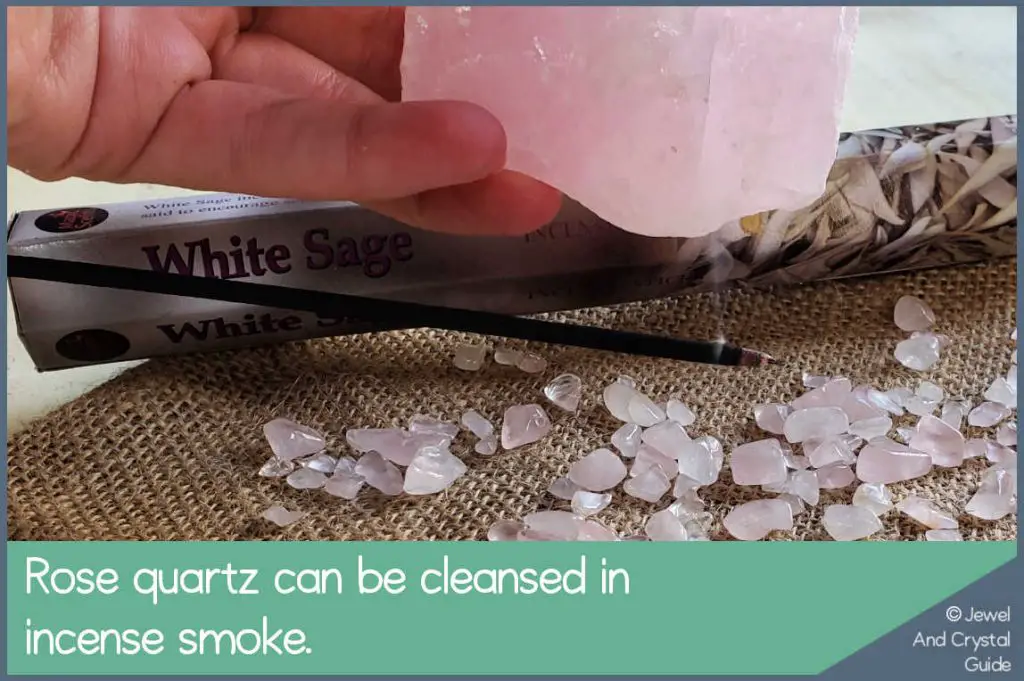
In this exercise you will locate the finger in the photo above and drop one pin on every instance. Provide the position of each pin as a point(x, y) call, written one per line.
point(506, 204)
point(242, 138)
point(363, 42)
point(264, 59)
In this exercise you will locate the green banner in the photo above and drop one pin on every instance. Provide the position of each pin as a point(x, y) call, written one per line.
point(469, 608)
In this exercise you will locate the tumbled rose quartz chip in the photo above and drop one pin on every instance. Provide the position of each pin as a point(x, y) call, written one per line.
point(617, 396)
point(475, 423)
point(598, 471)
point(345, 483)
point(586, 504)
point(802, 484)
point(648, 458)
point(873, 496)
point(395, 444)
point(325, 463)
point(432, 470)
point(771, 418)
point(380, 474)
point(828, 451)
point(668, 437)
point(913, 314)
point(835, 476)
point(524, 424)
point(563, 488)
point(505, 530)
point(428, 425)
point(306, 478)
point(919, 353)
point(996, 495)
point(987, 414)
point(281, 516)
point(486, 446)
point(850, 523)
point(699, 462)
point(276, 468)
point(531, 364)
point(507, 356)
point(1002, 392)
point(643, 411)
point(927, 513)
point(651, 485)
point(665, 526)
point(680, 413)
point(289, 440)
point(565, 392)
point(470, 357)
point(813, 380)
point(754, 520)
point(871, 428)
point(591, 530)
point(669, 103)
point(627, 440)
point(555, 525)
point(832, 394)
point(939, 440)
point(758, 463)
point(886, 461)
point(1006, 434)
point(943, 535)
point(815, 423)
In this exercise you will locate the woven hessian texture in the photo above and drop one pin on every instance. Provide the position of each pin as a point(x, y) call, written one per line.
point(170, 450)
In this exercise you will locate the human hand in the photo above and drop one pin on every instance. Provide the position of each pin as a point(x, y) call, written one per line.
point(296, 102)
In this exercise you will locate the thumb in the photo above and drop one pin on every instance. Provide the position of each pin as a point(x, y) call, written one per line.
point(243, 138)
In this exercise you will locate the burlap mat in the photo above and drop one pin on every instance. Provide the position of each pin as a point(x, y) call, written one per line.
point(170, 450)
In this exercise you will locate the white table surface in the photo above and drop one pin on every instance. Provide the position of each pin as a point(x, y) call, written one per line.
point(911, 65)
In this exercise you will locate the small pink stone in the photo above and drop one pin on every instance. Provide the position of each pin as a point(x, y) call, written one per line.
point(850, 523)
point(835, 476)
point(627, 439)
point(432, 470)
point(834, 393)
point(585, 504)
point(289, 440)
point(556, 525)
point(282, 517)
point(912, 314)
point(397, 445)
point(758, 463)
point(874, 497)
point(886, 461)
point(591, 530)
point(987, 414)
point(380, 474)
point(598, 471)
point(816, 423)
point(523, 425)
point(617, 396)
point(643, 411)
point(505, 530)
point(927, 513)
point(771, 418)
point(651, 485)
point(996, 495)
point(563, 488)
point(665, 526)
point(828, 451)
point(699, 462)
point(668, 437)
point(754, 520)
point(648, 458)
point(939, 440)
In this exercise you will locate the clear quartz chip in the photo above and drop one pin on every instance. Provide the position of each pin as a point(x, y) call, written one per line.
point(586, 504)
point(507, 356)
point(873, 496)
point(276, 468)
point(565, 392)
point(919, 352)
point(324, 463)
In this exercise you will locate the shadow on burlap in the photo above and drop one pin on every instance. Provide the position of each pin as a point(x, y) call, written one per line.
point(170, 450)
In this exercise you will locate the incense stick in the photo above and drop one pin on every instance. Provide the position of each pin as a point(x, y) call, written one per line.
point(395, 314)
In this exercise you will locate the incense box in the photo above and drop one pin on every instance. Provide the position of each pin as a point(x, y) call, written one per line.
point(897, 199)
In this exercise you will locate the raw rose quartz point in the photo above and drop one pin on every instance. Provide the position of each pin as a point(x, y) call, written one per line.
point(669, 101)
point(598, 471)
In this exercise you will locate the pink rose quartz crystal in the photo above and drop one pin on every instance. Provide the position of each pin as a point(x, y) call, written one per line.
point(665, 121)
